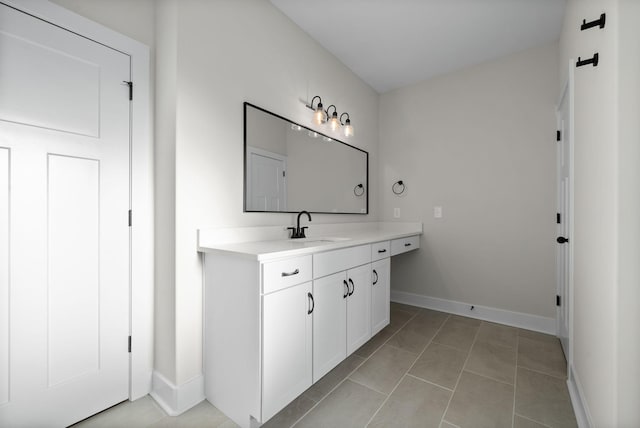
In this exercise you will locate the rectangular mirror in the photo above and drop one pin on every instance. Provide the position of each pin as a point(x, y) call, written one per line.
point(289, 168)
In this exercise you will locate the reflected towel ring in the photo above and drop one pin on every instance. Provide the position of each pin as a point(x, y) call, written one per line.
point(355, 190)
point(398, 187)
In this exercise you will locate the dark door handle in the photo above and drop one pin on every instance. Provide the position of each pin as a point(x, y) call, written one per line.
point(346, 293)
point(376, 274)
point(353, 287)
point(562, 240)
point(313, 304)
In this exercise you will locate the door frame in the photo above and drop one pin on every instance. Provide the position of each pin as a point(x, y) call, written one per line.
point(141, 238)
point(568, 92)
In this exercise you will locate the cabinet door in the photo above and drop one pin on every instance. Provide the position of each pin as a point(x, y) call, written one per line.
point(286, 346)
point(329, 323)
point(380, 299)
point(358, 307)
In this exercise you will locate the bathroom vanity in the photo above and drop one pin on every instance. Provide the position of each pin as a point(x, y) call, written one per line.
point(281, 313)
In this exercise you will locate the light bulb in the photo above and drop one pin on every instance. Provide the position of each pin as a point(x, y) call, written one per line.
point(348, 129)
point(334, 123)
point(318, 115)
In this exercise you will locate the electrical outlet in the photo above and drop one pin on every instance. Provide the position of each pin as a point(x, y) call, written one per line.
point(396, 213)
point(437, 212)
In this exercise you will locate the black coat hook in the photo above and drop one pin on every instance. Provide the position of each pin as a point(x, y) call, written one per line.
point(358, 190)
point(398, 187)
point(597, 23)
point(593, 61)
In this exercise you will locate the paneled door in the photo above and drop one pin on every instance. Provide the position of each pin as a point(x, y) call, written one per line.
point(64, 233)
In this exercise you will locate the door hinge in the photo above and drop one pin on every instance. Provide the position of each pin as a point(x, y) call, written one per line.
point(130, 84)
point(558, 218)
point(130, 218)
point(558, 135)
point(557, 300)
point(129, 343)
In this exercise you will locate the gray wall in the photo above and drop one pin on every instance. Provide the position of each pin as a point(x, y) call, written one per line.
point(480, 143)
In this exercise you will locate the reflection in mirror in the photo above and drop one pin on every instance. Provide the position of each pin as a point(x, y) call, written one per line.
point(290, 168)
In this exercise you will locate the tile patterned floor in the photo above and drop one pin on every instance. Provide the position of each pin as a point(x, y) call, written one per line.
point(426, 369)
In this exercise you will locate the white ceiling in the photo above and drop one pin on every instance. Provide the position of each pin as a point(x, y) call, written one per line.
point(394, 43)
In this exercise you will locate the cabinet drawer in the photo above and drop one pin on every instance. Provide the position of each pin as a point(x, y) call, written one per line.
point(380, 250)
point(402, 245)
point(285, 273)
point(338, 260)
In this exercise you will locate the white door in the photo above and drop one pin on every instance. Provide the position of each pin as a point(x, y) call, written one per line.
point(380, 294)
point(64, 247)
point(358, 307)
point(286, 346)
point(564, 217)
point(266, 181)
point(329, 323)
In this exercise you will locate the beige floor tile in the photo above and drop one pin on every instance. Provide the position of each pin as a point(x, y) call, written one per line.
point(203, 414)
point(458, 332)
point(374, 343)
point(494, 361)
point(497, 334)
point(407, 308)
point(440, 364)
point(534, 335)
point(544, 398)
point(290, 414)
point(412, 340)
point(384, 369)
point(465, 320)
point(349, 405)
point(398, 319)
point(329, 381)
point(520, 422)
point(544, 355)
point(480, 402)
point(414, 403)
point(142, 412)
point(446, 424)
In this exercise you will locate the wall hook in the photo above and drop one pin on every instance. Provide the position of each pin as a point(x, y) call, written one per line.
point(358, 190)
point(398, 187)
point(597, 23)
point(593, 61)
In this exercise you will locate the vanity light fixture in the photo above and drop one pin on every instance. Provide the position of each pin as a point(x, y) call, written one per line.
point(321, 116)
point(348, 129)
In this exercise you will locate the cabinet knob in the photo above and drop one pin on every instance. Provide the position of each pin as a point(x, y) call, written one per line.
point(408, 244)
point(562, 240)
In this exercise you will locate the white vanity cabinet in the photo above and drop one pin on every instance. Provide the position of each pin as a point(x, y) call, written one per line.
point(380, 294)
point(275, 325)
point(286, 346)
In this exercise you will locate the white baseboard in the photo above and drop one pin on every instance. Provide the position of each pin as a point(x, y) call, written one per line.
point(501, 316)
point(580, 408)
point(176, 400)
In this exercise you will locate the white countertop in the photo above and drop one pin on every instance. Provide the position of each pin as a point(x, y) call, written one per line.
point(272, 242)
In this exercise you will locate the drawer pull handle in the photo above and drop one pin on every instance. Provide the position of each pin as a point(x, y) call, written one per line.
point(313, 303)
point(353, 287)
point(382, 251)
point(346, 293)
point(376, 274)
point(408, 244)
point(295, 272)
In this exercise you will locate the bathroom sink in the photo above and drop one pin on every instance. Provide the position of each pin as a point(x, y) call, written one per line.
point(324, 240)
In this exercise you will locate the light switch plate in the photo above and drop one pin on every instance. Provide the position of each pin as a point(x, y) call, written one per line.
point(396, 213)
point(437, 212)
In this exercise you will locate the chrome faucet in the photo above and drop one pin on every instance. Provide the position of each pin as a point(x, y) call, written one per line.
point(298, 232)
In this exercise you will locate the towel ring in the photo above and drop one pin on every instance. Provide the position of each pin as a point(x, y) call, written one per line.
point(398, 187)
point(355, 190)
